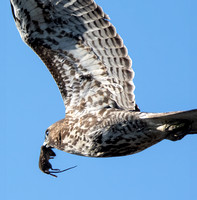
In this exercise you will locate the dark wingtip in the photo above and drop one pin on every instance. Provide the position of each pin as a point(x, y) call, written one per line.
point(12, 8)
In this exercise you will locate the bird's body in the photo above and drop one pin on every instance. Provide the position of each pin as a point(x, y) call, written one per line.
point(105, 133)
point(91, 66)
point(114, 132)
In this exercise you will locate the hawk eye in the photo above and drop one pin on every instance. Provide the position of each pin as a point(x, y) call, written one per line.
point(47, 132)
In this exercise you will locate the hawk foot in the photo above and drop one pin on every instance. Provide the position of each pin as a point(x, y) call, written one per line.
point(177, 131)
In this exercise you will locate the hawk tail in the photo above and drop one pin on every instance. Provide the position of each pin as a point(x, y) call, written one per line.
point(176, 124)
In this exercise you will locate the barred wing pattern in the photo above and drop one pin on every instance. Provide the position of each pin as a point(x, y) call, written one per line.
point(81, 49)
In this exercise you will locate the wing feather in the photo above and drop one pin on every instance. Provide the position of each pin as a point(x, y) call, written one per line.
point(81, 49)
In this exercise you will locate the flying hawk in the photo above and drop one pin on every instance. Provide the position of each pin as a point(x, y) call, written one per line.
point(92, 68)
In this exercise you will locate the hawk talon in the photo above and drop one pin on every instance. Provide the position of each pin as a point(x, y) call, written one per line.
point(178, 130)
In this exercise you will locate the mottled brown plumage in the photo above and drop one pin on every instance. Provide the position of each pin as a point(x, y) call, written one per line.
point(91, 66)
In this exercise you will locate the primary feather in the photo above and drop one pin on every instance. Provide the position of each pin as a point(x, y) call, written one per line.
point(81, 49)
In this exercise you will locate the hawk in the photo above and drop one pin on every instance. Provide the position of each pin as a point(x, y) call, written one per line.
point(92, 68)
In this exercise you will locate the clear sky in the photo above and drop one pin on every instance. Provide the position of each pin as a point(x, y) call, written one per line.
point(161, 39)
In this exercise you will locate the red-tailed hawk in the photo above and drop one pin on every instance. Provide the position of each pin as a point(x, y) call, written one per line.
point(91, 66)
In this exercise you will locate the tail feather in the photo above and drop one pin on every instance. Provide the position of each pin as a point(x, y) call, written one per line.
point(177, 124)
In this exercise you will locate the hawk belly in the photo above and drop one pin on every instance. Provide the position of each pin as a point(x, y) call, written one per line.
point(107, 133)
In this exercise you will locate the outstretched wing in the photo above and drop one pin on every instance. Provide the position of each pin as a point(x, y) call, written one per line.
point(81, 49)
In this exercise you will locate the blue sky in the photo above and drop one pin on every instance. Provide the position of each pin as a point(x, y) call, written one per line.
point(161, 39)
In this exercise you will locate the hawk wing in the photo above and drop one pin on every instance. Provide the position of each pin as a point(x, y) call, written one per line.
point(81, 49)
